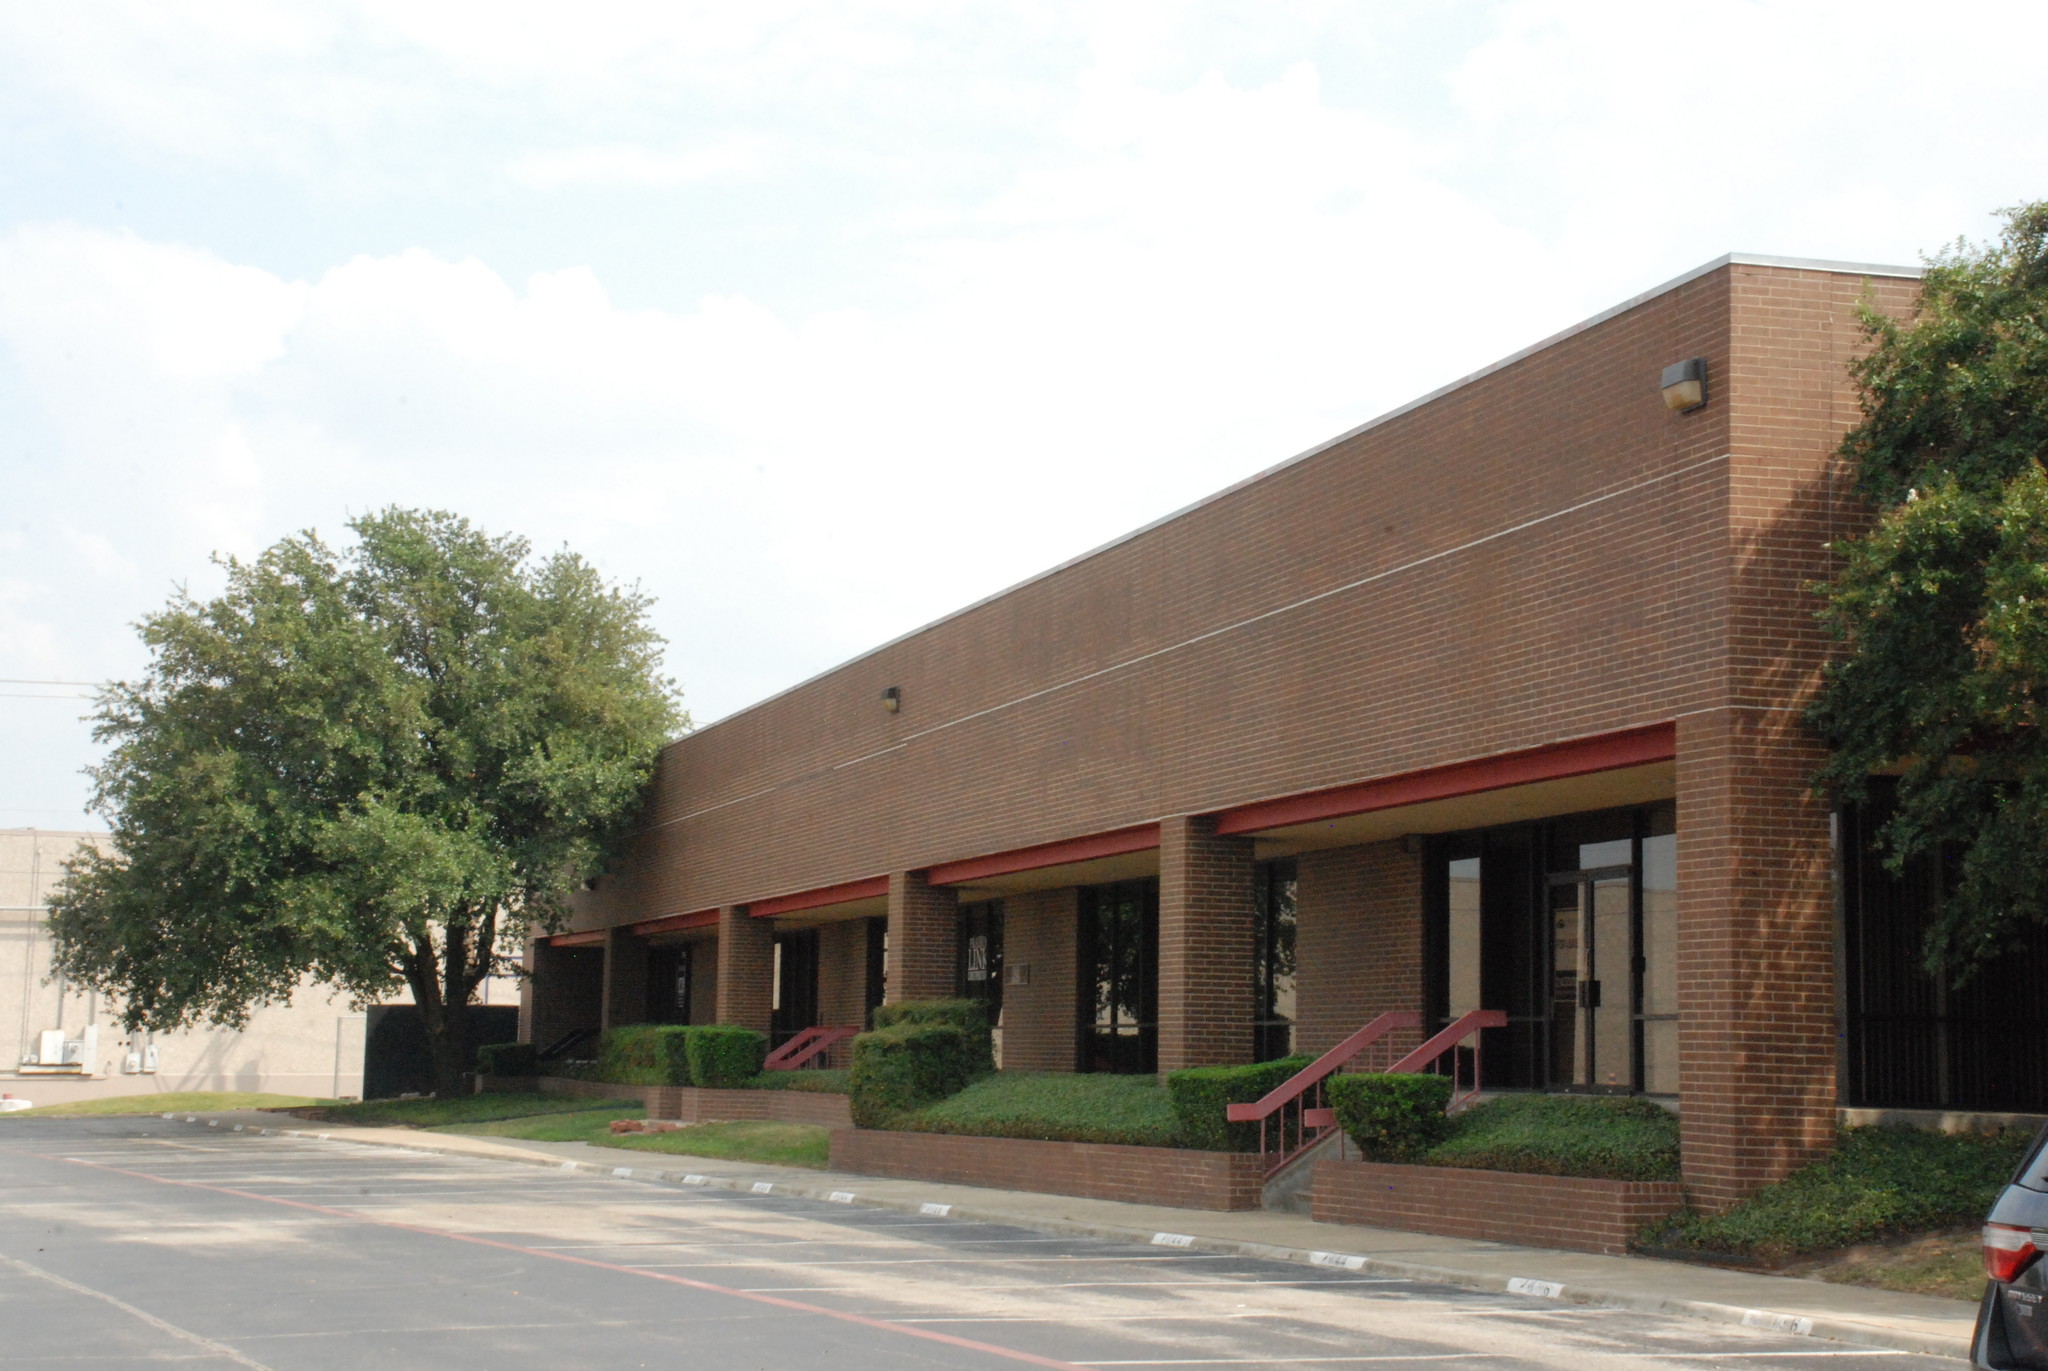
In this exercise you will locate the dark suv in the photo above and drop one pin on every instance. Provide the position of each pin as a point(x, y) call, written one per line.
point(2012, 1323)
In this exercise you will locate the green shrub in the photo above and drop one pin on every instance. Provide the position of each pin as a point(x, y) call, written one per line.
point(969, 1016)
point(1618, 1139)
point(627, 1056)
point(1059, 1106)
point(1392, 1118)
point(672, 1055)
point(905, 1065)
point(725, 1056)
point(1878, 1183)
point(1200, 1094)
point(508, 1059)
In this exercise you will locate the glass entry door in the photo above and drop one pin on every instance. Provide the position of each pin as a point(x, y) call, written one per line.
point(1594, 979)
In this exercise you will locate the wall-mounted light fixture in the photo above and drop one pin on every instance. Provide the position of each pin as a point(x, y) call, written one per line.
point(1685, 384)
point(892, 698)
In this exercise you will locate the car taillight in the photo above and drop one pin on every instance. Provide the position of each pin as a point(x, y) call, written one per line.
point(2007, 1250)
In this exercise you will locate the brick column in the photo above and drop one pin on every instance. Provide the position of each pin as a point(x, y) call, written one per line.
point(527, 963)
point(1206, 945)
point(746, 968)
point(924, 924)
point(1756, 953)
point(625, 979)
point(1357, 942)
point(565, 994)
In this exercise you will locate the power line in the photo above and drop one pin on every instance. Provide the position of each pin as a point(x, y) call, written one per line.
point(15, 680)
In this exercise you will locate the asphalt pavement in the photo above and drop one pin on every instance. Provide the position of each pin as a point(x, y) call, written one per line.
point(130, 1241)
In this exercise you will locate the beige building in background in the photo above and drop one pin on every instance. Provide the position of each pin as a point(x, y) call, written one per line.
point(312, 1046)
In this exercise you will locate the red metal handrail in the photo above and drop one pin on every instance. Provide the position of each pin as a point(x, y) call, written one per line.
point(1464, 1026)
point(807, 1046)
point(1286, 1113)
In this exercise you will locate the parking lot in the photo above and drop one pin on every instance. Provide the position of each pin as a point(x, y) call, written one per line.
point(126, 1242)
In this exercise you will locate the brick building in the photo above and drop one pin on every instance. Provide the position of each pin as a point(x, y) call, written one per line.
point(1492, 702)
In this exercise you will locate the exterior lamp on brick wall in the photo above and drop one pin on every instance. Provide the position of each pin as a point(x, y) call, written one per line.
point(892, 698)
point(1685, 384)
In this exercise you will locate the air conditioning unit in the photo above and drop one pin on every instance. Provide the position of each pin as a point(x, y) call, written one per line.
point(54, 1052)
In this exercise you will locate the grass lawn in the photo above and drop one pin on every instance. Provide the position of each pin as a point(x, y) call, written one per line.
point(1564, 1135)
point(465, 1109)
point(582, 1125)
point(783, 1144)
point(191, 1101)
point(1056, 1105)
point(1949, 1263)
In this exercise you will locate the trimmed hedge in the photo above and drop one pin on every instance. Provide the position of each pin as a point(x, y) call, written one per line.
point(1200, 1093)
point(1616, 1139)
point(724, 1056)
point(1392, 1118)
point(969, 1016)
point(508, 1059)
point(905, 1065)
point(643, 1054)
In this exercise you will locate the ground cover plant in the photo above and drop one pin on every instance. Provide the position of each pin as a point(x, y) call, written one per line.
point(1878, 1183)
point(818, 1082)
point(1059, 1106)
point(191, 1101)
point(1564, 1135)
point(780, 1144)
point(458, 1109)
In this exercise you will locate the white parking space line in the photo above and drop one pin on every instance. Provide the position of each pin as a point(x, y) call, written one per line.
point(186, 1335)
point(1293, 1361)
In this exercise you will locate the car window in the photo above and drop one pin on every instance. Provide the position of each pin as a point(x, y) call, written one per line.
point(2033, 1168)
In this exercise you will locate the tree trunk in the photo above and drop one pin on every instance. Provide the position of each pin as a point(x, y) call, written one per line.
point(441, 986)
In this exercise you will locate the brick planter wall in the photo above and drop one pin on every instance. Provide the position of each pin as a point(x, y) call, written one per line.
point(1098, 1171)
point(1542, 1211)
point(688, 1104)
point(561, 1085)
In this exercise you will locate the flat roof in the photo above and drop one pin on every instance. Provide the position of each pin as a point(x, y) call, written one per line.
point(1743, 259)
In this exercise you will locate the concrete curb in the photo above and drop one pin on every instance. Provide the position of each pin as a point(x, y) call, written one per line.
point(1767, 1320)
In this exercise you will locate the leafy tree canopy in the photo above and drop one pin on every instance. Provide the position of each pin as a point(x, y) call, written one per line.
point(375, 766)
point(1943, 603)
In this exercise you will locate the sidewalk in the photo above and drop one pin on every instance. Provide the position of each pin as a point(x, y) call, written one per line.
point(1843, 1313)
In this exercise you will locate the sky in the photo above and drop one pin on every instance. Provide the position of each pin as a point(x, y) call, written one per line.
point(818, 321)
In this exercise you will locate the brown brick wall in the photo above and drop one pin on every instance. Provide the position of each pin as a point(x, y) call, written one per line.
point(1756, 952)
point(566, 993)
point(1528, 557)
point(1135, 1175)
point(746, 970)
point(688, 1104)
point(1500, 1206)
point(842, 982)
point(1205, 945)
point(924, 929)
point(1358, 942)
point(625, 979)
point(1039, 931)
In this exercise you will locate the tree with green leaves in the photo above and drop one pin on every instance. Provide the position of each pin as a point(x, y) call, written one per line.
point(1943, 603)
point(375, 767)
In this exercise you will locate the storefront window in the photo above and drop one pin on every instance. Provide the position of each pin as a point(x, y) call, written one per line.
point(1273, 967)
point(1120, 977)
point(1569, 925)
